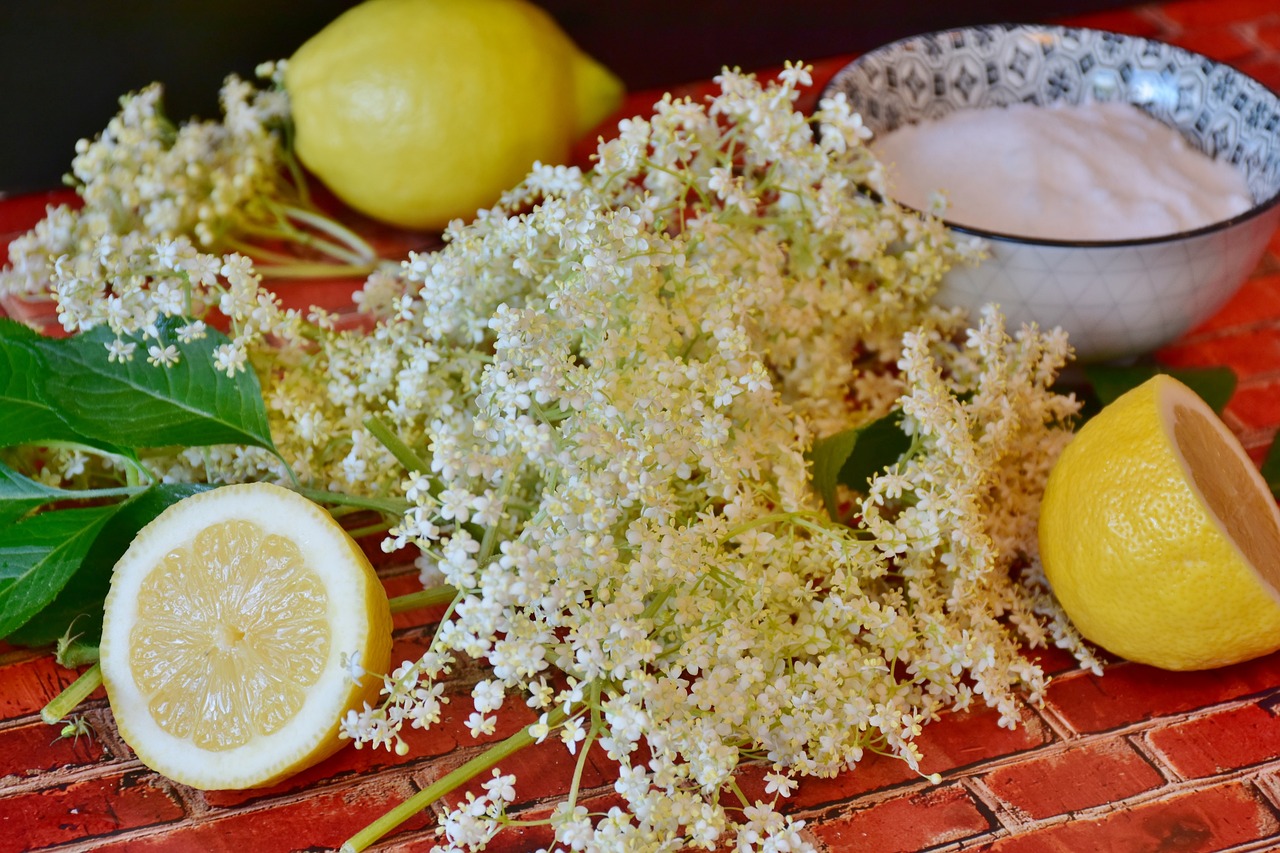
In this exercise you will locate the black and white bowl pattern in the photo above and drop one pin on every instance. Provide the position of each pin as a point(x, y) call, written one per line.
point(1114, 298)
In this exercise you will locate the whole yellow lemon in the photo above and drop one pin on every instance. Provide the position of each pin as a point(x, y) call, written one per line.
point(416, 112)
point(1160, 537)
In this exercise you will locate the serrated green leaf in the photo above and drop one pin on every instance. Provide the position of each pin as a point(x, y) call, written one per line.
point(80, 601)
point(25, 418)
point(1214, 385)
point(39, 555)
point(137, 404)
point(19, 495)
point(1271, 468)
point(852, 457)
point(825, 461)
point(12, 330)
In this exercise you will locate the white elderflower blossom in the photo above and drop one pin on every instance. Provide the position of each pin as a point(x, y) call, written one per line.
point(162, 356)
point(596, 402)
point(642, 356)
point(218, 186)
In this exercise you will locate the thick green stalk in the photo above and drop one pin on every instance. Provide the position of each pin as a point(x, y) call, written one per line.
point(67, 701)
point(312, 270)
point(425, 598)
point(394, 506)
point(404, 454)
point(369, 530)
point(445, 784)
point(361, 251)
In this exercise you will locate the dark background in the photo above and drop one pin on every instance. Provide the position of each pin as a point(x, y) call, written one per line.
point(64, 63)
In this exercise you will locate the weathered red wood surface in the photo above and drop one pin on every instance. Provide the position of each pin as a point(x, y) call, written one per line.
point(1135, 760)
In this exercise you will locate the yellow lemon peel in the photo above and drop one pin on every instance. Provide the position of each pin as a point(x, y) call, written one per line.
point(1160, 537)
point(417, 112)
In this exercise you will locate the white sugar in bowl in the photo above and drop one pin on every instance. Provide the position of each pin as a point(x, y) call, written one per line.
point(1116, 298)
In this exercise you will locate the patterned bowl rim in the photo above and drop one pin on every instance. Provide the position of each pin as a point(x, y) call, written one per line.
point(1257, 210)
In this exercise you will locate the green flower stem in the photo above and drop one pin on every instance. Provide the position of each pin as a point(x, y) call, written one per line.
point(297, 176)
point(368, 530)
point(288, 232)
point(810, 521)
point(271, 264)
point(310, 270)
point(388, 505)
point(325, 234)
point(134, 470)
point(78, 691)
point(445, 784)
point(75, 654)
point(333, 228)
point(489, 540)
point(113, 492)
point(260, 253)
point(592, 733)
point(330, 248)
point(403, 453)
point(737, 792)
point(433, 597)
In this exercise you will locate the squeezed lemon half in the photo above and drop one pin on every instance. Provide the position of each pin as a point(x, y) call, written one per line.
point(226, 634)
point(1159, 536)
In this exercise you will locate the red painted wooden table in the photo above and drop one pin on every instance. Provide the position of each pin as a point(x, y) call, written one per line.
point(1135, 760)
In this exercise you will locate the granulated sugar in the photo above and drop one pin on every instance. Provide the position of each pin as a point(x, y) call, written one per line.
point(1097, 171)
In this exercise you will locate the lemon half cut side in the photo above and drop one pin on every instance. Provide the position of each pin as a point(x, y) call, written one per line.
point(1160, 537)
point(227, 631)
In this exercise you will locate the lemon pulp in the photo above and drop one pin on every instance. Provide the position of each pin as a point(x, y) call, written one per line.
point(1225, 480)
point(212, 628)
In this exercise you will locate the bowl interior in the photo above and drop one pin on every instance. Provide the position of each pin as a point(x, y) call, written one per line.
point(1219, 110)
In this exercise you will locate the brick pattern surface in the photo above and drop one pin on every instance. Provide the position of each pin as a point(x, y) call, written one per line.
point(1133, 760)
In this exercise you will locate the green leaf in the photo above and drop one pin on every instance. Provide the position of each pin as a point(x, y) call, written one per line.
point(137, 404)
point(78, 607)
point(19, 495)
point(852, 457)
point(1271, 468)
point(25, 418)
point(12, 330)
point(39, 555)
point(1215, 385)
point(825, 461)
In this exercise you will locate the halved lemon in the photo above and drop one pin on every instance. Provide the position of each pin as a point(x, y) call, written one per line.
point(1159, 536)
point(226, 635)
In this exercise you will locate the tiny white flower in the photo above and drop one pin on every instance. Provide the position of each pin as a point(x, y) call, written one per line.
point(192, 331)
point(119, 350)
point(481, 724)
point(501, 788)
point(351, 663)
point(162, 356)
point(572, 733)
point(779, 783)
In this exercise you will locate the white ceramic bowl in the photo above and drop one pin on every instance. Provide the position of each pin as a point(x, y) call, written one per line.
point(1114, 298)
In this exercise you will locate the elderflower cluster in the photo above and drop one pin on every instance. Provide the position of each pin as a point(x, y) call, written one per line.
point(131, 282)
point(223, 186)
point(602, 393)
point(619, 375)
